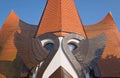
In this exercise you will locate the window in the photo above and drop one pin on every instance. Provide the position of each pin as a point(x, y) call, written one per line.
point(48, 44)
point(73, 44)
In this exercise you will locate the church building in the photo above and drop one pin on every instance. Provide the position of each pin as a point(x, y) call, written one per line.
point(60, 46)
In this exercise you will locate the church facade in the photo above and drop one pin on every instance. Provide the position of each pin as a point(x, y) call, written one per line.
point(60, 46)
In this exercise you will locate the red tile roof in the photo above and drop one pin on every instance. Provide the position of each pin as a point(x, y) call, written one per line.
point(60, 15)
point(61, 18)
point(110, 62)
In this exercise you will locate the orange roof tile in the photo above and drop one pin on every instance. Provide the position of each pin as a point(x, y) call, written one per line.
point(11, 25)
point(108, 26)
point(8, 50)
point(111, 56)
point(60, 16)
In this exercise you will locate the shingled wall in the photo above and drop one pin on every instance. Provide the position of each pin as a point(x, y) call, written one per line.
point(109, 64)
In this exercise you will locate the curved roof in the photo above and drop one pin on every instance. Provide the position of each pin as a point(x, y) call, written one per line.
point(10, 26)
point(6, 39)
point(63, 19)
point(108, 26)
point(110, 62)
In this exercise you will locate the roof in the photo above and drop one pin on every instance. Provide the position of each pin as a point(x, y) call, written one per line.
point(110, 61)
point(60, 17)
point(64, 19)
point(11, 25)
point(6, 37)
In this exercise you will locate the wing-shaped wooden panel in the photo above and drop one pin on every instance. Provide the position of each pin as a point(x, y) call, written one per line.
point(110, 62)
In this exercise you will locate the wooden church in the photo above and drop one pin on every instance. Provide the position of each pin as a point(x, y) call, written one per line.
point(60, 46)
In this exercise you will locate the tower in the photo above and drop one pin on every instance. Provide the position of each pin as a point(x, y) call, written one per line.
point(60, 17)
point(60, 45)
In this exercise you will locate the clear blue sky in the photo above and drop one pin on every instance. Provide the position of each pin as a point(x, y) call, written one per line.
point(90, 11)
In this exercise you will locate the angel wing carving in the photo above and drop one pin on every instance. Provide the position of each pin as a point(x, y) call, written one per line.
point(87, 51)
point(30, 50)
point(90, 50)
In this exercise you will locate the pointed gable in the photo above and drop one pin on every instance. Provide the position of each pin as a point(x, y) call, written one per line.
point(109, 18)
point(11, 19)
point(111, 54)
point(9, 27)
point(105, 24)
point(11, 23)
point(60, 17)
point(108, 26)
point(109, 21)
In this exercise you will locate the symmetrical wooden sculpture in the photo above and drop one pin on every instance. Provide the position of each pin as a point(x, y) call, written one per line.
point(85, 55)
point(60, 46)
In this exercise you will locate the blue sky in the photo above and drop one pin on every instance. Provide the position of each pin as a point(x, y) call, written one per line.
point(90, 11)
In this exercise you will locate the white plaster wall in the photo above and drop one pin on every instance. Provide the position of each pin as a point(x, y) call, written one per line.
point(59, 60)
